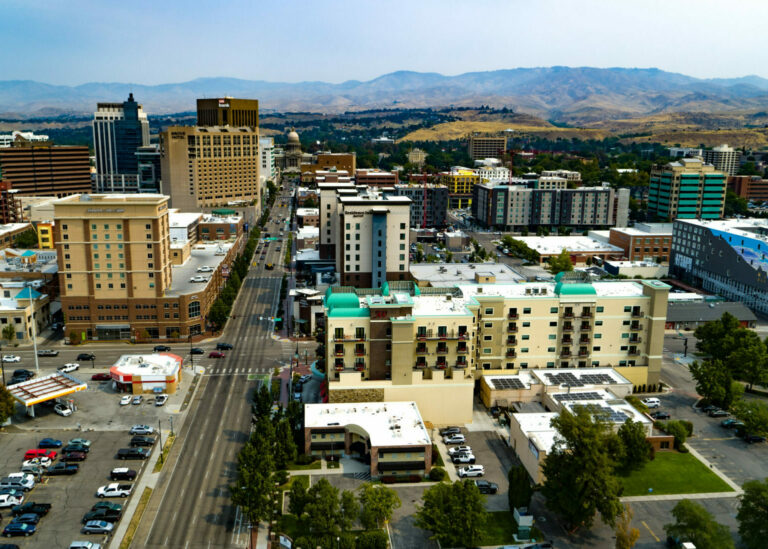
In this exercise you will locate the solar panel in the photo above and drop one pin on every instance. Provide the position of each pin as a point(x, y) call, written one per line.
point(507, 383)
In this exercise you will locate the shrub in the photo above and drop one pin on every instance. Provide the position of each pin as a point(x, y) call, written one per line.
point(281, 476)
point(677, 430)
point(688, 426)
point(305, 459)
point(375, 539)
point(437, 474)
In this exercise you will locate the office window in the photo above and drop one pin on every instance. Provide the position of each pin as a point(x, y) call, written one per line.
point(527, 311)
point(600, 309)
point(596, 348)
point(624, 336)
point(526, 324)
point(598, 336)
point(550, 349)
point(524, 350)
point(598, 322)
point(553, 309)
point(627, 309)
point(553, 323)
point(525, 336)
point(552, 336)
point(489, 310)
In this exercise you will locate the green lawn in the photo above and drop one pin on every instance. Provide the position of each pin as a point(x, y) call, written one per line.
point(673, 473)
point(304, 467)
point(500, 529)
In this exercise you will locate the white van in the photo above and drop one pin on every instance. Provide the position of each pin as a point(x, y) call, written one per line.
point(651, 402)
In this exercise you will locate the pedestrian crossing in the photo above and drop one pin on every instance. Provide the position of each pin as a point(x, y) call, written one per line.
point(234, 371)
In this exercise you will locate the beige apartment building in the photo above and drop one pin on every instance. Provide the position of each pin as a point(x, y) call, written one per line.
point(210, 166)
point(401, 344)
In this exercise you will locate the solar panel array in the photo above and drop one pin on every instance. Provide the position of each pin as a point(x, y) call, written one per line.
point(563, 397)
point(571, 380)
point(608, 414)
point(597, 379)
point(507, 383)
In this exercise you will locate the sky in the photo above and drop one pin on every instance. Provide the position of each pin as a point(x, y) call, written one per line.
point(72, 42)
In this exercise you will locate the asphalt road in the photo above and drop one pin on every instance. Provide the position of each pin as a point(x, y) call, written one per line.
point(191, 506)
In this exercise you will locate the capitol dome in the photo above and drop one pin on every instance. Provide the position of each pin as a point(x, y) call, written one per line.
point(293, 137)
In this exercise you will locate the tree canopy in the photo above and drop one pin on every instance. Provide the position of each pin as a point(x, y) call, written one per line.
point(7, 404)
point(753, 514)
point(695, 524)
point(561, 262)
point(378, 503)
point(454, 513)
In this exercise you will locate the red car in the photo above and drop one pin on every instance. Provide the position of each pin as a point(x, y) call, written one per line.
point(216, 354)
point(101, 377)
point(40, 452)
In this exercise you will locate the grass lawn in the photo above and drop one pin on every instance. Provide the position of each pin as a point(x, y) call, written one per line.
point(673, 473)
point(500, 529)
point(301, 467)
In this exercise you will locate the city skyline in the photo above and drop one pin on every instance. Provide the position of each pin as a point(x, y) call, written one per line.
point(70, 44)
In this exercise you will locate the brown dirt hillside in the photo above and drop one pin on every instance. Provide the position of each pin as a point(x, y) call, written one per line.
point(460, 129)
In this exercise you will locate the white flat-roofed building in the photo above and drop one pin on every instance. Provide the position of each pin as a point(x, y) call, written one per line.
point(579, 247)
point(391, 433)
point(147, 373)
point(7, 139)
point(450, 274)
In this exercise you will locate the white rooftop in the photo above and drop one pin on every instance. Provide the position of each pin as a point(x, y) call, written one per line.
point(202, 254)
point(210, 218)
point(182, 219)
point(742, 227)
point(301, 212)
point(443, 274)
point(554, 376)
point(616, 410)
point(438, 305)
point(547, 289)
point(549, 245)
point(387, 423)
point(538, 429)
point(149, 364)
point(308, 232)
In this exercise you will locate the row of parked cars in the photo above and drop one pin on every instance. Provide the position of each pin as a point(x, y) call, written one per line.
point(461, 454)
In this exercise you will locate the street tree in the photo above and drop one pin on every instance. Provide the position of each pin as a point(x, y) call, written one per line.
point(713, 381)
point(749, 361)
point(579, 471)
point(754, 415)
point(454, 513)
point(637, 449)
point(520, 489)
point(561, 262)
point(695, 524)
point(378, 503)
point(285, 445)
point(323, 508)
point(9, 333)
point(298, 496)
point(716, 338)
point(753, 514)
point(254, 488)
point(262, 401)
point(7, 404)
point(349, 510)
point(626, 536)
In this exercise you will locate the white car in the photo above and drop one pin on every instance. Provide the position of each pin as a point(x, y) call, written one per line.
point(141, 430)
point(198, 279)
point(97, 527)
point(651, 402)
point(7, 500)
point(459, 450)
point(11, 358)
point(465, 457)
point(38, 461)
point(68, 367)
point(471, 471)
point(62, 410)
point(454, 439)
point(205, 269)
point(114, 490)
point(125, 400)
point(161, 399)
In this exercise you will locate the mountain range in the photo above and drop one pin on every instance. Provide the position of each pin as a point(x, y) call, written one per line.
point(567, 94)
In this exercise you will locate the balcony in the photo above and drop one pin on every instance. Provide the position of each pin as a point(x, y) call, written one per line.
point(441, 364)
point(510, 353)
point(565, 353)
point(338, 353)
point(513, 316)
point(583, 353)
point(512, 328)
point(421, 350)
point(442, 349)
point(464, 336)
point(420, 365)
point(637, 314)
point(566, 341)
point(359, 352)
point(587, 314)
point(461, 363)
point(339, 367)
point(635, 327)
point(462, 350)
point(584, 340)
point(348, 338)
point(585, 327)
point(633, 351)
point(567, 328)
point(360, 366)
point(511, 340)
point(635, 339)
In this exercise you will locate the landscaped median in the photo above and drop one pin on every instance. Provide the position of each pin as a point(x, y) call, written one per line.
point(137, 514)
point(673, 473)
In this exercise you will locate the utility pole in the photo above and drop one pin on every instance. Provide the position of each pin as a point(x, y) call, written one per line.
point(160, 438)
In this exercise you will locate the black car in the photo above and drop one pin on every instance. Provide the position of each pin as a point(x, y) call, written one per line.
point(27, 374)
point(86, 356)
point(162, 348)
point(122, 473)
point(660, 415)
point(76, 448)
point(47, 352)
point(224, 346)
point(450, 431)
point(707, 409)
point(31, 507)
point(133, 453)
point(486, 487)
point(140, 440)
point(197, 351)
point(74, 456)
point(108, 515)
point(62, 469)
point(752, 439)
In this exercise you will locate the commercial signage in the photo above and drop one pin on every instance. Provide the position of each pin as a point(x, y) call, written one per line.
point(104, 210)
point(223, 103)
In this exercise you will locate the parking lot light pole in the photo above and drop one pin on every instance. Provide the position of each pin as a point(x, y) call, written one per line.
point(160, 438)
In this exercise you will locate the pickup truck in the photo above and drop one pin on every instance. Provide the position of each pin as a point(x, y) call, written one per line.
point(63, 468)
point(114, 490)
point(31, 507)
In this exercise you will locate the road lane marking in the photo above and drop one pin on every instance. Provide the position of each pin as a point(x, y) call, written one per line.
point(650, 531)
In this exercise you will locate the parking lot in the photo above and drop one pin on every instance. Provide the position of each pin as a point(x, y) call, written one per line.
point(70, 496)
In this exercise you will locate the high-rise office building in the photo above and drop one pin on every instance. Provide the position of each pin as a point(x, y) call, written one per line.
point(267, 154)
point(210, 166)
point(119, 131)
point(486, 147)
point(429, 204)
point(228, 111)
point(724, 158)
point(686, 189)
point(42, 169)
point(148, 159)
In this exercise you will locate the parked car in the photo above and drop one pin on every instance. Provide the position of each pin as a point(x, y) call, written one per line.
point(74, 456)
point(660, 415)
point(216, 354)
point(141, 430)
point(454, 439)
point(161, 348)
point(133, 453)
point(305, 378)
point(718, 413)
point(39, 461)
point(101, 377)
point(205, 269)
point(13, 529)
point(107, 505)
point(142, 440)
point(445, 431)
point(122, 473)
point(198, 278)
point(68, 367)
point(197, 351)
point(709, 408)
point(138, 399)
point(62, 410)
point(106, 515)
point(125, 400)
point(114, 490)
point(752, 439)
point(23, 484)
point(465, 457)
point(31, 507)
point(86, 356)
point(49, 443)
point(39, 452)
point(9, 500)
point(459, 450)
point(26, 518)
point(47, 352)
point(161, 399)
point(21, 372)
point(471, 471)
point(486, 487)
point(11, 358)
point(36, 471)
point(83, 441)
point(84, 545)
point(76, 447)
point(731, 423)
point(97, 527)
point(221, 346)
point(62, 468)
point(651, 402)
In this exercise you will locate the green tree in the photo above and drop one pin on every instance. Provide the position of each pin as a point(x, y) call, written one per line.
point(9, 333)
point(375, 539)
point(7, 404)
point(753, 514)
point(579, 471)
point(219, 313)
point(754, 415)
point(713, 381)
point(378, 503)
point(626, 536)
point(677, 430)
point(323, 509)
point(561, 262)
point(26, 240)
point(695, 524)
point(254, 487)
point(285, 446)
point(454, 513)
point(262, 401)
point(749, 361)
point(349, 510)
point(637, 449)
point(298, 496)
point(520, 489)
point(735, 205)
point(716, 339)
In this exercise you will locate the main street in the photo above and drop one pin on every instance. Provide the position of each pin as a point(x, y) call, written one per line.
point(190, 506)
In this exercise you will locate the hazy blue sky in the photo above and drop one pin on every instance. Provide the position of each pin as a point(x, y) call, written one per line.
point(151, 42)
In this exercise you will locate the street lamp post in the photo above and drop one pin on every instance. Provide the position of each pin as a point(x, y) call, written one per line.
point(160, 438)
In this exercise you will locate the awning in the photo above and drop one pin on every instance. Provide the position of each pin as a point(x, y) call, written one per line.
point(39, 390)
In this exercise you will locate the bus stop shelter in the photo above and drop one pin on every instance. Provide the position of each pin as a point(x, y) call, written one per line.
point(38, 390)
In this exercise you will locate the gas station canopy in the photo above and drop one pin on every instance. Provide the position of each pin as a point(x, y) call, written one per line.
point(37, 390)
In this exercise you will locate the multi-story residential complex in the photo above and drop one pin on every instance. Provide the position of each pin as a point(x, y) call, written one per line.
point(515, 207)
point(267, 154)
point(398, 343)
point(568, 175)
point(460, 182)
point(683, 152)
point(119, 130)
point(644, 241)
point(686, 189)
point(324, 161)
point(751, 187)
point(7, 139)
point(375, 177)
point(417, 157)
point(329, 215)
point(148, 159)
point(724, 158)
point(724, 257)
point(210, 166)
point(38, 168)
point(228, 111)
point(429, 204)
point(493, 174)
point(120, 275)
point(486, 147)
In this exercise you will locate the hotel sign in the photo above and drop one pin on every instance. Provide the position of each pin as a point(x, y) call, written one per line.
point(223, 103)
point(104, 210)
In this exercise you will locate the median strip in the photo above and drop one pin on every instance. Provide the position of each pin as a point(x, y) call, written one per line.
point(134, 524)
point(164, 454)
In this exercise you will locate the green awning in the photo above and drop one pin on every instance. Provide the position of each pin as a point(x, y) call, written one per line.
point(224, 211)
